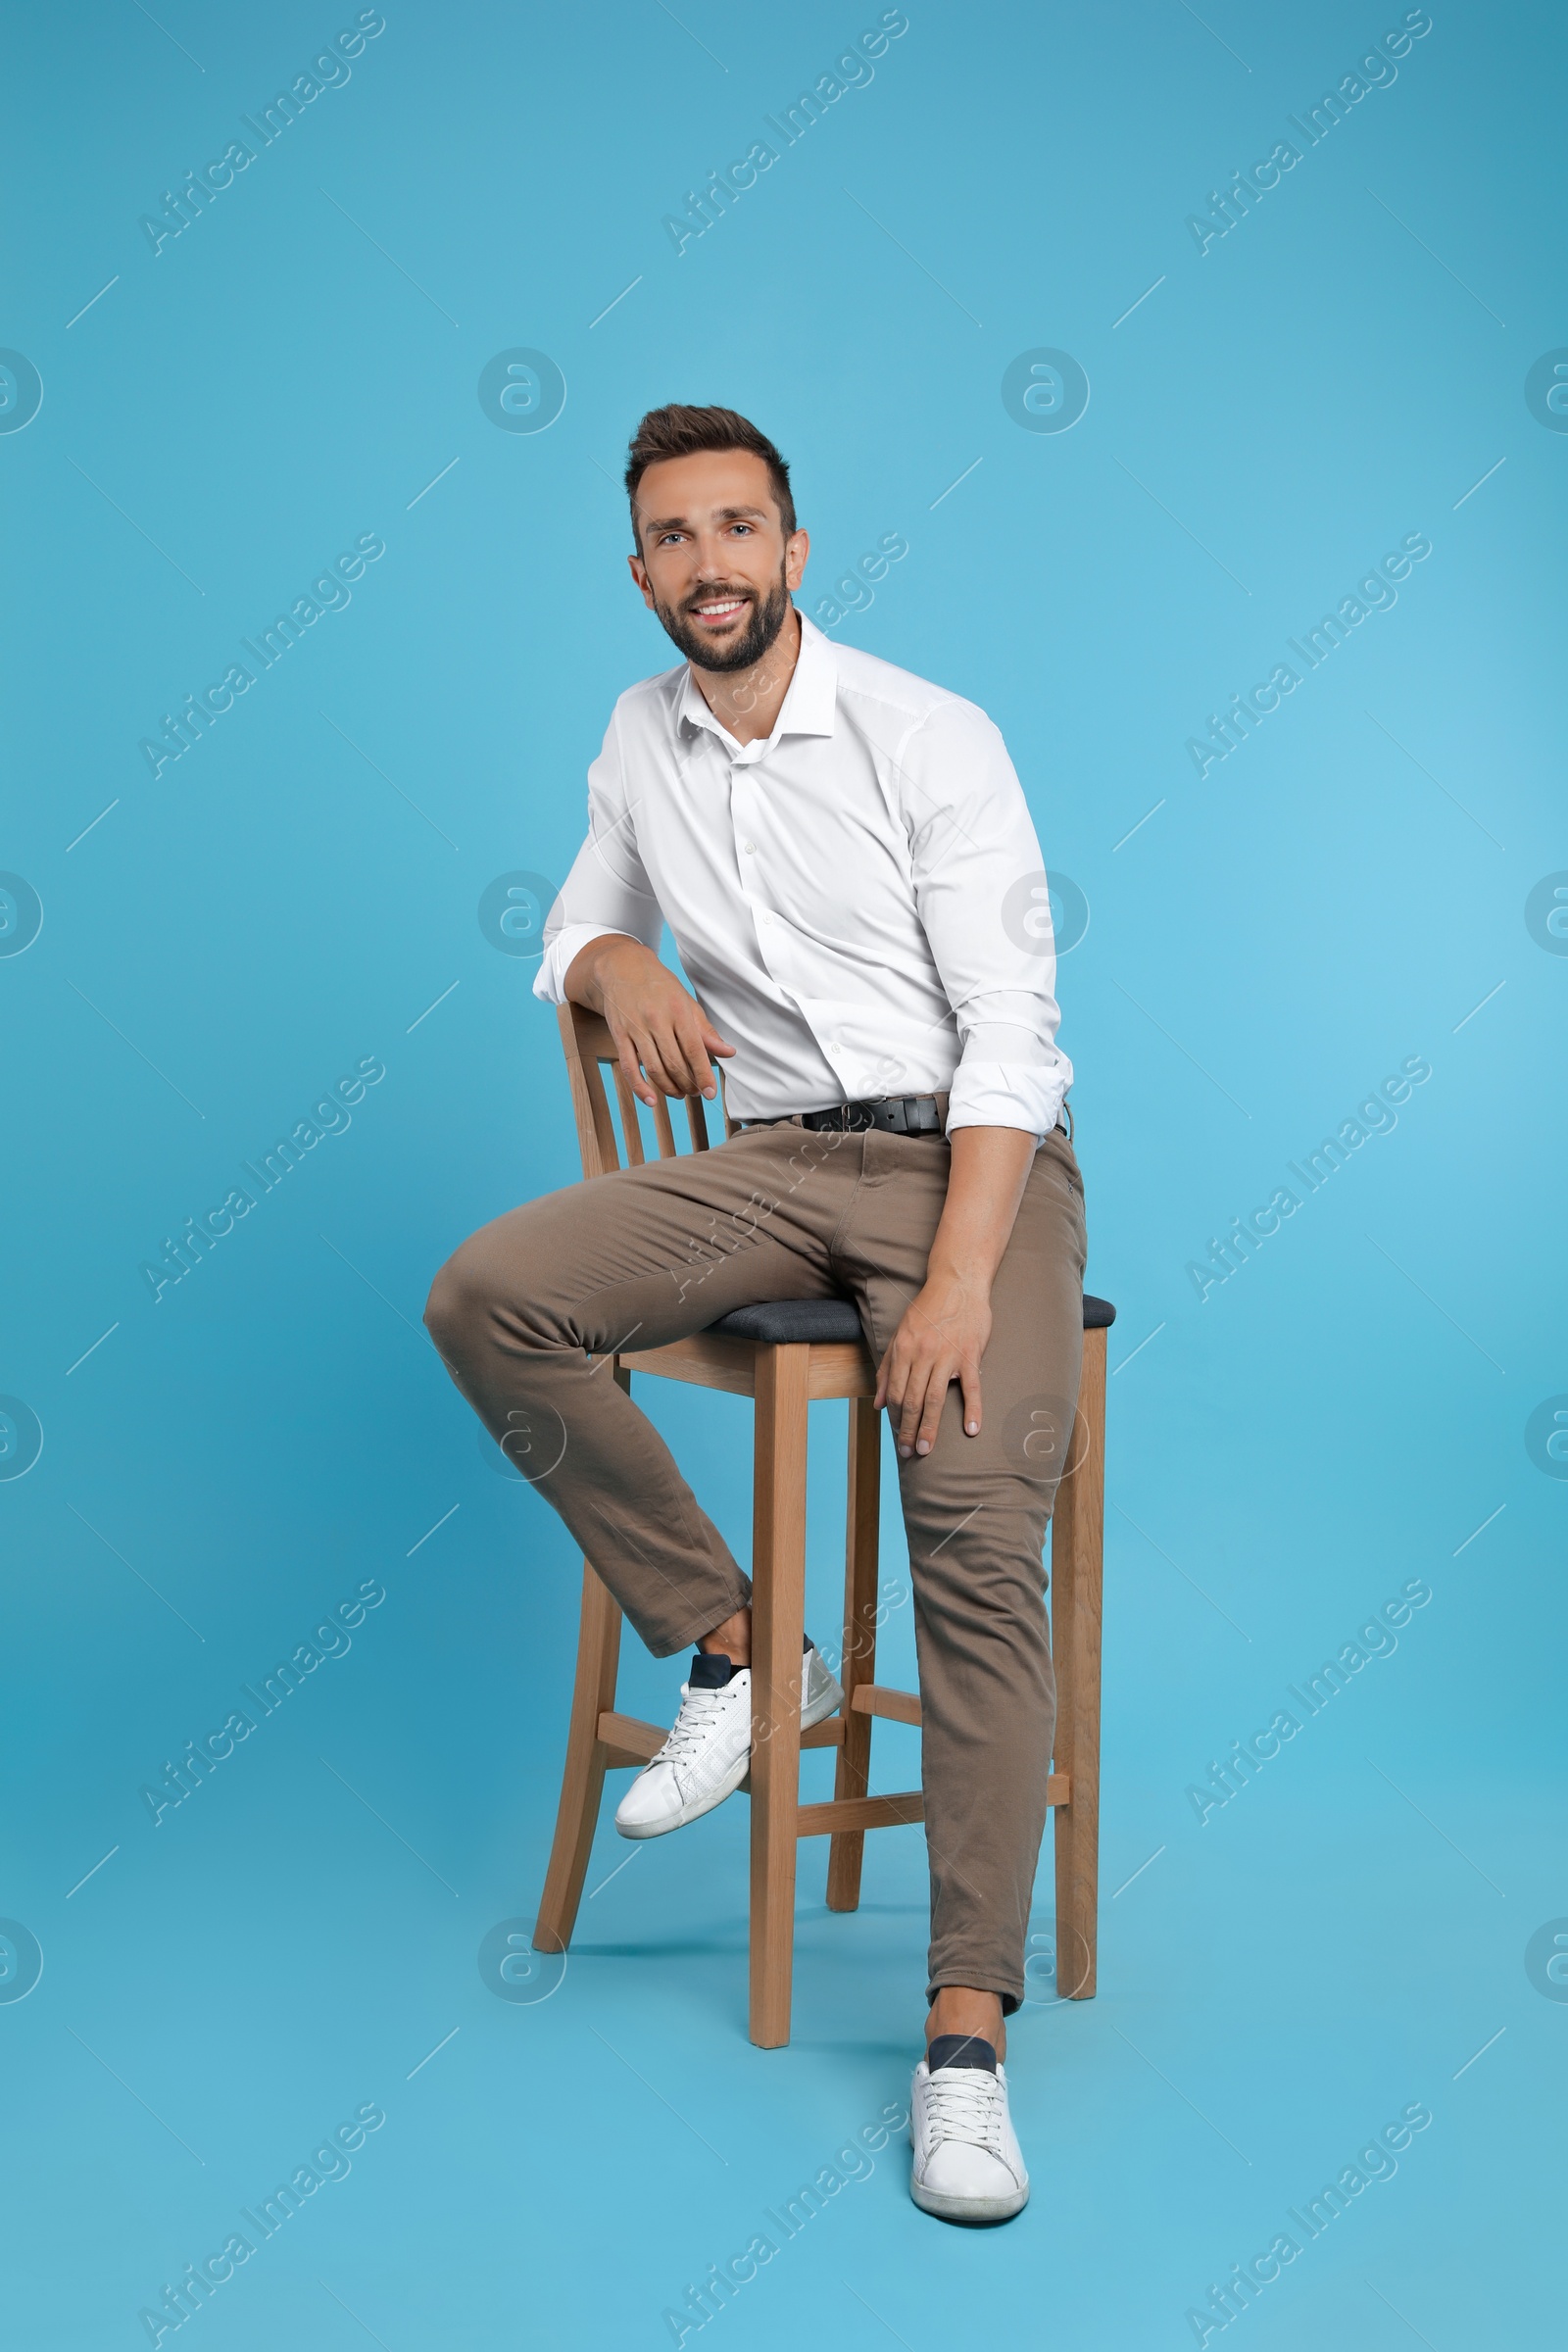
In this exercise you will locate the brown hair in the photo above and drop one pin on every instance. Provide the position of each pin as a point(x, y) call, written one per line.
point(678, 431)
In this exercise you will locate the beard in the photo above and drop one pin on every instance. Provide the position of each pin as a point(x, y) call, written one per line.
point(768, 617)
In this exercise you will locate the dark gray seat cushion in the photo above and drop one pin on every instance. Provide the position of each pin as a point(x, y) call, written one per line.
point(789, 1322)
point(786, 1322)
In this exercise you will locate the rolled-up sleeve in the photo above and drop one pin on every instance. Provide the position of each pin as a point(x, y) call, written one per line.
point(984, 903)
point(606, 890)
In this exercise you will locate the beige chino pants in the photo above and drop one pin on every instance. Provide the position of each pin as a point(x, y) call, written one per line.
point(657, 1252)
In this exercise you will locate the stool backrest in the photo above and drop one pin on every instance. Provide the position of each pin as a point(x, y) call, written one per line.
point(590, 1050)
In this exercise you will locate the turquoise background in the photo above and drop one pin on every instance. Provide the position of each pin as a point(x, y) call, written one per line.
point(300, 889)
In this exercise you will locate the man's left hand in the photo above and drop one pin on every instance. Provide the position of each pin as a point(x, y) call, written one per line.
point(941, 1338)
point(945, 1329)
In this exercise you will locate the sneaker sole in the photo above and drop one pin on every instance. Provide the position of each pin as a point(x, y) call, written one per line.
point(693, 1812)
point(969, 2209)
point(827, 1703)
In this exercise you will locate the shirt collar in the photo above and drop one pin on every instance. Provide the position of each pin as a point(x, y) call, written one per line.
point(809, 705)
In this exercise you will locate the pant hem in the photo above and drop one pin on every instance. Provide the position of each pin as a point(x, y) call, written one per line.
point(978, 1980)
point(702, 1624)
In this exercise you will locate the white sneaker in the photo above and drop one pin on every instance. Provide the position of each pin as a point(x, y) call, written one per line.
point(968, 2166)
point(708, 1752)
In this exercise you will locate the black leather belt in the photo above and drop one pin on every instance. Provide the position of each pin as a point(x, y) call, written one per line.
point(894, 1115)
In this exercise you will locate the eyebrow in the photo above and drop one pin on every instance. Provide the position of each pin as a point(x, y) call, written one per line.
point(678, 522)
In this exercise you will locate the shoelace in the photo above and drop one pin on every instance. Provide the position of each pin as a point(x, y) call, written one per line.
point(699, 1714)
point(964, 2102)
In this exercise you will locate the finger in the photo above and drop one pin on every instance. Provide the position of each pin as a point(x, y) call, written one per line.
point(710, 1037)
point(935, 1397)
point(685, 1063)
point(665, 1041)
point(630, 1066)
point(667, 1066)
point(703, 1081)
point(649, 1053)
point(969, 1381)
point(694, 1057)
point(895, 1381)
point(912, 1403)
point(681, 1050)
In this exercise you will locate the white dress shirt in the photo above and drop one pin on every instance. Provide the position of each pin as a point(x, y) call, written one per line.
point(858, 902)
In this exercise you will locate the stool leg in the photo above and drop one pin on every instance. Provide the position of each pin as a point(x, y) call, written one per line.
point(582, 1780)
point(847, 1849)
point(1076, 1555)
point(778, 1614)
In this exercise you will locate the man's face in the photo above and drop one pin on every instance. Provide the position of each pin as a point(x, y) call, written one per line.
point(715, 565)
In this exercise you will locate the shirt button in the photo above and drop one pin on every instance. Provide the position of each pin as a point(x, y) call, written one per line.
point(750, 849)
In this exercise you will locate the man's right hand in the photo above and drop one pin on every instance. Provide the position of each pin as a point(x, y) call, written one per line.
point(657, 1027)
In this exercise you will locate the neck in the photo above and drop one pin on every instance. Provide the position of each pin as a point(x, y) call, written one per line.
point(747, 702)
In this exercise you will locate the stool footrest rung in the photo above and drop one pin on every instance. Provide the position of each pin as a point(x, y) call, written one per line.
point(859, 1813)
point(629, 1739)
point(880, 1699)
point(889, 1812)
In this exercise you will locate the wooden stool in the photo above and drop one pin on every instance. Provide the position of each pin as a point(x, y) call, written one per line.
point(783, 1355)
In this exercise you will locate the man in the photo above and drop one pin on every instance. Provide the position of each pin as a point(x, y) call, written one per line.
point(845, 858)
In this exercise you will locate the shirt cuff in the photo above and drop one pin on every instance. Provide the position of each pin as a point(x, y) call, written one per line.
point(549, 981)
point(1007, 1093)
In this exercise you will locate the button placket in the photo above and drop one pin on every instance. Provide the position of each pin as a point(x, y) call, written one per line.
point(742, 819)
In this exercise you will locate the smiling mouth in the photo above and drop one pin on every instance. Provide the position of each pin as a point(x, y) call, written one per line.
point(718, 611)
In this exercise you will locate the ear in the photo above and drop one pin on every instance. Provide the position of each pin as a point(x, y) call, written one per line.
point(796, 548)
point(638, 572)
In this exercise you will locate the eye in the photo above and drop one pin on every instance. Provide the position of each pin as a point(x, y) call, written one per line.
point(742, 526)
